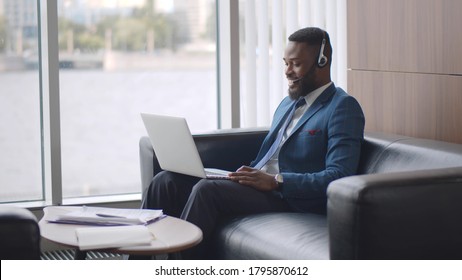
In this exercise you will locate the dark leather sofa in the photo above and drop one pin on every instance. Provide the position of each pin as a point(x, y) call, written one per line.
point(19, 234)
point(405, 203)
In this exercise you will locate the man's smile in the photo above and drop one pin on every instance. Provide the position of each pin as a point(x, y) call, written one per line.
point(292, 82)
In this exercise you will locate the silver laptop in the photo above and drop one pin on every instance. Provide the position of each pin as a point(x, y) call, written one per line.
point(175, 149)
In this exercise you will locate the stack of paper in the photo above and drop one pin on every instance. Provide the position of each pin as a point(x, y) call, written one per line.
point(90, 238)
point(109, 216)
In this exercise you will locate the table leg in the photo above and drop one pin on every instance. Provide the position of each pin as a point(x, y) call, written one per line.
point(80, 255)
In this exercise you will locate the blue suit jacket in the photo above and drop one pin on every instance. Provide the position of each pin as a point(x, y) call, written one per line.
point(324, 146)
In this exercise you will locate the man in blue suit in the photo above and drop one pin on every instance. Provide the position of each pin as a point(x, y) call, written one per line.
point(315, 138)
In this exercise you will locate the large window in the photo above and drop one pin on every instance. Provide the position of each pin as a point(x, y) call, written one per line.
point(116, 60)
point(20, 145)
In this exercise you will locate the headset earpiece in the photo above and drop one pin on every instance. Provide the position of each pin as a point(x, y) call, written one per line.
point(322, 59)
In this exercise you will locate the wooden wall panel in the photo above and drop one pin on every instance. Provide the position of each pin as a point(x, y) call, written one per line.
point(405, 66)
point(417, 105)
point(422, 36)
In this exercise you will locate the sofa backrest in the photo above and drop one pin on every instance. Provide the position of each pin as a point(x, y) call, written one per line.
point(238, 146)
point(19, 234)
point(382, 153)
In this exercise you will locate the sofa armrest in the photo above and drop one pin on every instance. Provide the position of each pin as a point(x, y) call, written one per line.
point(224, 149)
point(19, 234)
point(147, 162)
point(403, 215)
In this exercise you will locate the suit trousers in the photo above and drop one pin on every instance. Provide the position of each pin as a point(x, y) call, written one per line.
point(204, 201)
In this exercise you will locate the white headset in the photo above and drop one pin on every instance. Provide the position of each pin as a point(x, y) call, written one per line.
point(322, 59)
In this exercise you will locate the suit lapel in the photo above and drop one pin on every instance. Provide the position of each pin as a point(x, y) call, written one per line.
point(279, 120)
point(324, 98)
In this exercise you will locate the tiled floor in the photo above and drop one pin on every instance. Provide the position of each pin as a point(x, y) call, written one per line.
point(69, 255)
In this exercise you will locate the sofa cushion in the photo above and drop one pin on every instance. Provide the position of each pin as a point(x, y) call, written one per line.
point(273, 236)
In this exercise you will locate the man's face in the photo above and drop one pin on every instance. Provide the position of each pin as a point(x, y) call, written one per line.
point(300, 60)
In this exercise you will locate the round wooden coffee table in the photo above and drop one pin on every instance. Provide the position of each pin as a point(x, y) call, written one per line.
point(171, 234)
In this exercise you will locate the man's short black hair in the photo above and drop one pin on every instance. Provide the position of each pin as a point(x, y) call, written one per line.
point(310, 35)
point(313, 36)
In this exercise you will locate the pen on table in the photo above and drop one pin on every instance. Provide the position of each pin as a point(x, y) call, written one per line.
point(109, 216)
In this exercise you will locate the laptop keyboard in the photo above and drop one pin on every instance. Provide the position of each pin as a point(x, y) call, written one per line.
point(216, 174)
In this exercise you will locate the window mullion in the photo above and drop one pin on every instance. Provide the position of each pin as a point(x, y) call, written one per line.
point(228, 64)
point(51, 130)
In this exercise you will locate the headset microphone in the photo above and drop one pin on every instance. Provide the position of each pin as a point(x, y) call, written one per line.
point(322, 59)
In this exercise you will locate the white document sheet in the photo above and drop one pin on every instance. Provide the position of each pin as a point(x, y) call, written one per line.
point(113, 237)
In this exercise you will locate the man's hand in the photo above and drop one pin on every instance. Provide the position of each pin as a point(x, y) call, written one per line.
point(254, 178)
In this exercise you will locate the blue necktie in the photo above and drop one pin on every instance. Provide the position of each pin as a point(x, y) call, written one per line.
point(277, 142)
